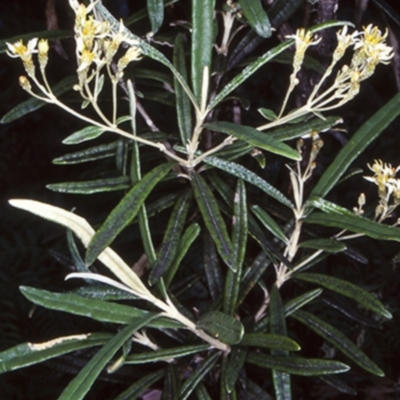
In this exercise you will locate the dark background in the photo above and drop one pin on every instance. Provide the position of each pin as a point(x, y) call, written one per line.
point(27, 147)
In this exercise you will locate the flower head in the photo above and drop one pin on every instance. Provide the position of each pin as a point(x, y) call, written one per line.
point(384, 176)
point(303, 40)
point(43, 49)
point(18, 49)
point(371, 50)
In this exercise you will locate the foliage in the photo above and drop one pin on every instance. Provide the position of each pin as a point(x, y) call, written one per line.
point(217, 291)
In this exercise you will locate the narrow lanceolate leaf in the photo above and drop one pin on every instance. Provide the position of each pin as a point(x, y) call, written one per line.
point(356, 223)
point(297, 365)
point(135, 390)
point(85, 232)
point(282, 10)
point(183, 107)
point(33, 104)
point(224, 327)
point(291, 306)
point(124, 212)
point(191, 383)
point(369, 131)
point(281, 378)
point(365, 299)
point(27, 354)
point(81, 384)
point(256, 17)
point(155, 9)
point(91, 154)
point(269, 341)
point(170, 385)
point(201, 392)
point(213, 220)
point(338, 384)
point(170, 243)
point(236, 360)
point(165, 354)
point(85, 134)
point(188, 237)
point(340, 341)
point(239, 241)
point(93, 186)
point(96, 309)
point(288, 132)
point(202, 41)
point(328, 245)
point(255, 138)
point(269, 223)
point(250, 177)
point(212, 267)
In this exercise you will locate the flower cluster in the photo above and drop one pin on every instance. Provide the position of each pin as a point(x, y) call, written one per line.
point(388, 185)
point(369, 49)
point(96, 46)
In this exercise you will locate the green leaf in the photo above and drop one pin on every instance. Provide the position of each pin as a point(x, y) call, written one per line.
point(201, 392)
point(213, 220)
point(328, 245)
point(170, 243)
point(361, 296)
point(340, 341)
point(191, 383)
point(183, 109)
point(369, 131)
point(93, 186)
point(268, 114)
point(236, 360)
point(282, 10)
point(224, 327)
point(295, 304)
point(256, 392)
point(291, 306)
point(47, 34)
point(27, 354)
point(255, 138)
point(269, 223)
point(253, 274)
point(81, 384)
point(248, 176)
point(34, 104)
point(188, 237)
point(239, 240)
point(95, 309)
point(356, 223)
point(170, 387)
point(256, 17)
point(297, 365)
point(165, 354)
point(289, 132)
point(155, 9)
point(91, 154)
point(85, 134)
point(269, 341)
point(212, 267)
point(124, 212)
point(135, 390)
point(202, 42)
point(338, 384)
point(281, 378)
